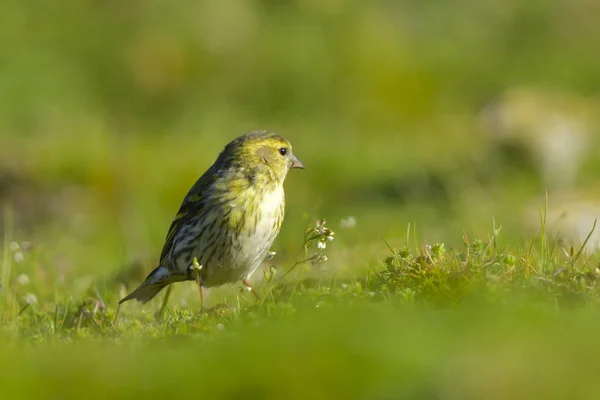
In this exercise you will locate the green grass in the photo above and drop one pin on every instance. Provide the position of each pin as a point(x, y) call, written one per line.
point(450, 286)
point(417, 301)
point(471, 321)
point(362, 351)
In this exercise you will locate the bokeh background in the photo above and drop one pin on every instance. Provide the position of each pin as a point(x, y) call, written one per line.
point(419, 122)
point(434, 117)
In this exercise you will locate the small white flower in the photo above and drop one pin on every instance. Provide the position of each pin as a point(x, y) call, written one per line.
point(14, 246)
point(320, 227)
point(196, 265)
point(19, 257)
point(220, 327)
point(30, 298)
point(23, 279)
point(321, 245)
point(348, 223)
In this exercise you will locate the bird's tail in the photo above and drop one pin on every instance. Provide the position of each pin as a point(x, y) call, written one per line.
point(156, 281)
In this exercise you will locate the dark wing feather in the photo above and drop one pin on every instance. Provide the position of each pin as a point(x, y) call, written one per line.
point(192, 205)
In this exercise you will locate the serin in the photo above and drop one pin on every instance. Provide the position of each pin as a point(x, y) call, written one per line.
point(229, 218)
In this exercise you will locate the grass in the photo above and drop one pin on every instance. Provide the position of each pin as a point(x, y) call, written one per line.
point(427, 321)
point(416, 301)
point(450, 286)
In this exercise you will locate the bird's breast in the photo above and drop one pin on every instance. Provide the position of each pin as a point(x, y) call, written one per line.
point(253, 223)
point(260, 229)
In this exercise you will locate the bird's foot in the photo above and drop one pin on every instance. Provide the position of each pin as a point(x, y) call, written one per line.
point(250, 289)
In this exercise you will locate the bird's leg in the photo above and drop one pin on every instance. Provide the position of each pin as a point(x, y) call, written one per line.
point(163, 306)
point(117, 314)
point(196, 267)
point(201, 297)
point(199, 282)
point(250, 289)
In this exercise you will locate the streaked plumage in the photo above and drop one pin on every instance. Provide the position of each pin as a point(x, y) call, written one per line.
point(229, 218)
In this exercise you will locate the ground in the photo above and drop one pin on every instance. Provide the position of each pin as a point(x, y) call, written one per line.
point(455, 273)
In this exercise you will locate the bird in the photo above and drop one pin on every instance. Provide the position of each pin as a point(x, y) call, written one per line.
point(228, 220)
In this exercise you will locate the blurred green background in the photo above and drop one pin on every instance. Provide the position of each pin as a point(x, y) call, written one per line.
point(434, 117)
point(110, 111)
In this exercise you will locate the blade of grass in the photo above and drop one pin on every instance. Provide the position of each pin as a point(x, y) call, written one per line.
point(587, 239)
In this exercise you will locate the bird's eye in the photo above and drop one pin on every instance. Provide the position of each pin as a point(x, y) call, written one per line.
point(283, 151)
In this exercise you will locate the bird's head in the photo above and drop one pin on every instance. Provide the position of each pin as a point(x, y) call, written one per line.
point(262, 152)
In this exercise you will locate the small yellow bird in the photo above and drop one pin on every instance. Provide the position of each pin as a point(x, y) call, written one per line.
point(229, 218)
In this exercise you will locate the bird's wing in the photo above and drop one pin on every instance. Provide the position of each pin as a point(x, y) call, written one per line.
point(192, 205)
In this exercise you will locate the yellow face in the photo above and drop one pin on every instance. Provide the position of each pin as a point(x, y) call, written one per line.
point(276, 153)
point(263, 149)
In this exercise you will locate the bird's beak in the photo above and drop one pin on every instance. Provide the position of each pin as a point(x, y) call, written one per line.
point(295, 162)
